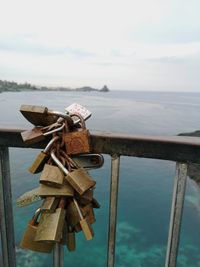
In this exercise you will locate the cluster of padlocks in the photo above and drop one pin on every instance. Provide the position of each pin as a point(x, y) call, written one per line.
point(65, 185)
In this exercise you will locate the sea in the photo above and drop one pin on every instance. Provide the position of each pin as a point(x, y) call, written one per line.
point(145, 188)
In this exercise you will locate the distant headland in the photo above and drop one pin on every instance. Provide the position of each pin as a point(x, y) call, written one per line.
point(6, 86)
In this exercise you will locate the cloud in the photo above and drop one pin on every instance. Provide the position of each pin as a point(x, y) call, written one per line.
point(128, 44)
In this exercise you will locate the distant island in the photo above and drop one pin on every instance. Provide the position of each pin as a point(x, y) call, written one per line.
point(6, 86)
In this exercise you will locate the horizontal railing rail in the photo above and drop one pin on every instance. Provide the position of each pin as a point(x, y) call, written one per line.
point(174, 148)
point(182, 150)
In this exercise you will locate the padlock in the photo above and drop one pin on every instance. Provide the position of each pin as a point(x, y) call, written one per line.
point(85, 198)
point(66, 190)
point(32, 136)
point(42, 116)
point(49, 204)
point(80, 110)
point(50, 227)
point(85, 226)
point(28, 198)
point(95, 204)
point(28, 240)
point(88, 214)
point(78, 179)
point(71, 239)
point(42, 158)
point(72, 215)
point(78, 141)
point(52, 176)
point(37, 134)
point(89, 161)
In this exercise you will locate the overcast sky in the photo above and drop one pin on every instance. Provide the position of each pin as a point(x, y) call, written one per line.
point(128, 45)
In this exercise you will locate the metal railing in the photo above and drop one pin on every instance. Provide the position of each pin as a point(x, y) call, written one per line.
point(182, 150)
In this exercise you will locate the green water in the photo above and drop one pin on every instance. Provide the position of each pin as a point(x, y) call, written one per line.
point(145, 188)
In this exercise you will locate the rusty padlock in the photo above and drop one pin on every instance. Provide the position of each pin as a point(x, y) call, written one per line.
point(28, 240)
point(85, 198)
point(37, 134)
point(72, 215)
point(77, 141)
point(50, 227)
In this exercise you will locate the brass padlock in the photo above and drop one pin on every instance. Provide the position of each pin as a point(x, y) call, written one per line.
point(78, 179)
point(85, 226)
point(66, 190)
point(42, 158)
point(78, 141)
point(52, 176)
point(37, 115)
point(38, 134)
point(50, 204)
point(50, 227)
point(28, 240)
point(42, 116)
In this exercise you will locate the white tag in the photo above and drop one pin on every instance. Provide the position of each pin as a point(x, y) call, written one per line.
point(80, 110)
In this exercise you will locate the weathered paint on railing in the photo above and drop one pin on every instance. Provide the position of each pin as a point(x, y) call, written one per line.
point(114, 182)
point(175, 148)
point(176, 214)
point(6, 212)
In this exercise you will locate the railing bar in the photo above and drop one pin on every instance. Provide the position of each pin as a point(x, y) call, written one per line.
point(113, 210)
point(6, 211)
point(58, 255)
point(176, 214)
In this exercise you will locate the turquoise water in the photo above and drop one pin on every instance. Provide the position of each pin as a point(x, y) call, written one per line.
point(146, 185)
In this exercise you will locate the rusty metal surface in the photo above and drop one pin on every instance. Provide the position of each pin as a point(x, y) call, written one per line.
point(6, 211)
point(175, 148)
point(58, 255)
point(115, 166)
point(176, 214)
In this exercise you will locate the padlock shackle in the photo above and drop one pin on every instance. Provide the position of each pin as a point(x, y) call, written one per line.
point(49, 145)
point(59, 164)
point(55, 130)
point(69, 159)
point(81, 119)
point(78, 209)
point(34, 219)
point(60, 114)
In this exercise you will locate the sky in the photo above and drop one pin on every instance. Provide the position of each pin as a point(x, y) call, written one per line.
point(127, 45)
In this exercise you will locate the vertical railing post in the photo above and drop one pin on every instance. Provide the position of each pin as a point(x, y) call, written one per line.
point(176, 214)
point(113, 209)
point(58, 255)
point(6, 211)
